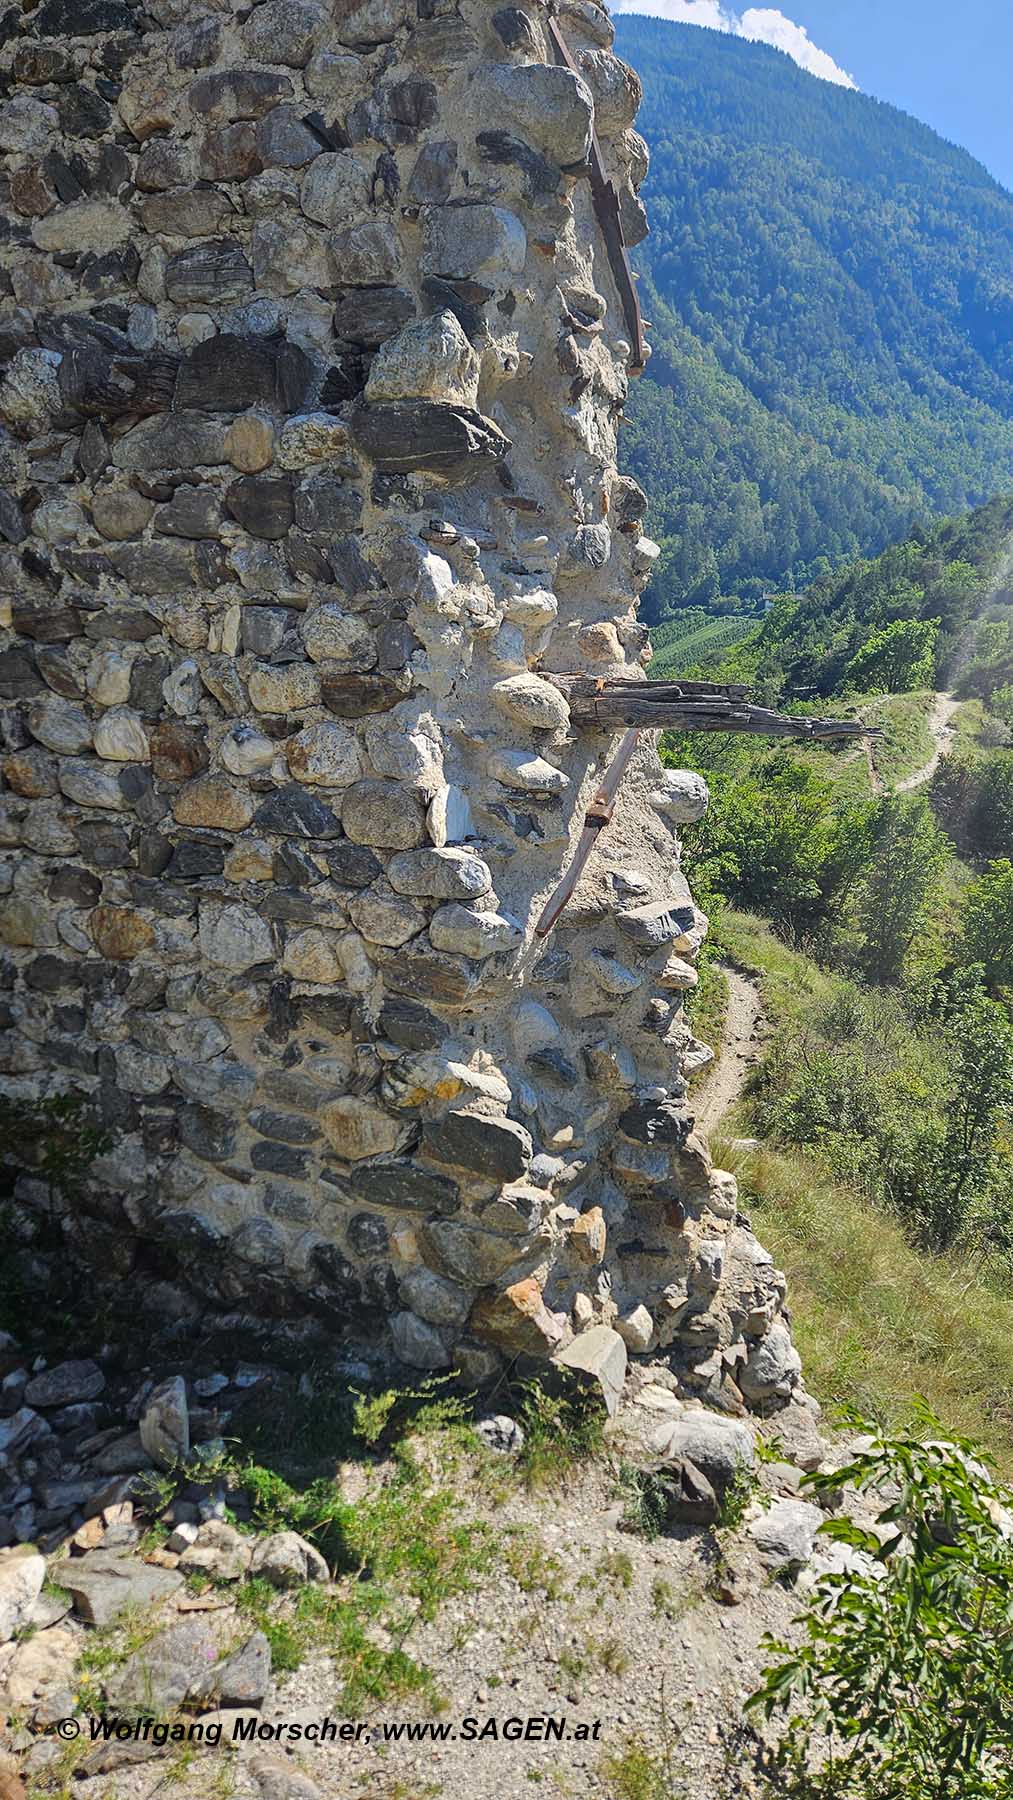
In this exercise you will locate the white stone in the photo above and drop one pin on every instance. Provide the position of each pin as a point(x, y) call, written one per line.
point(22, 1573)
point(682, 796)
point(313, 440)
point(474, 934)
point(27, 124)
point(636, 1328)
point(324, 755)
point(527, 774)
point(418, 1343)
point(245, 750)
point(109, 676)
point(120, 736)
point(531, 701)
point(338, 638)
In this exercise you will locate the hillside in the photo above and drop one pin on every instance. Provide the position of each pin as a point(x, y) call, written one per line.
point(831, 291)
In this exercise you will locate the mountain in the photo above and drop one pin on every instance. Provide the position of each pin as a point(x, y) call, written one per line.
point(831, 290)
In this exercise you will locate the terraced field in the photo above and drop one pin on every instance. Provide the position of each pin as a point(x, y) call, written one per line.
point(694, 640)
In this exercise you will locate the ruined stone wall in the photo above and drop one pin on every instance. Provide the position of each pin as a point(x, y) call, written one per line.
point(313, 364)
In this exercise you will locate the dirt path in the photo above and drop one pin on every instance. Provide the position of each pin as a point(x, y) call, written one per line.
point(740, 1049)
point(943, 708)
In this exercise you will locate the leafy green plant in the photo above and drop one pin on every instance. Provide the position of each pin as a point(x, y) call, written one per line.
point(904, 1677)
point(647, 1498)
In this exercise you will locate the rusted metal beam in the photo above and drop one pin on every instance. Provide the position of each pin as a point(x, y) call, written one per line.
point(598, 815)
point(606, 206)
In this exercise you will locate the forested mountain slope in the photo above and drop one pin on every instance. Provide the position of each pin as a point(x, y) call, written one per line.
point(831, 290)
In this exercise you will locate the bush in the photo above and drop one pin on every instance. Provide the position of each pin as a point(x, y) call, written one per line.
point(906, 1663)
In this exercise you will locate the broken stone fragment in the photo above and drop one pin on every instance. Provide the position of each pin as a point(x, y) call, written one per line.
point(165, 1423)
point(598, 1358)
point(518, 1320)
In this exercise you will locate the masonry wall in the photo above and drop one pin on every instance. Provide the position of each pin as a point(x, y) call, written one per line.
point(313, 365)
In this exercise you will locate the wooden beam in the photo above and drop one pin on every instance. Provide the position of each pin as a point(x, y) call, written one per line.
point(688, 706)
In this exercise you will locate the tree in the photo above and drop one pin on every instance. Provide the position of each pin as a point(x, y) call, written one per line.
point(896, 659)
point(908, 854)
point(988, 923)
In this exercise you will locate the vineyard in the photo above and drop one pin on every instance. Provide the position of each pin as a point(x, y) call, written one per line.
point(695, 639)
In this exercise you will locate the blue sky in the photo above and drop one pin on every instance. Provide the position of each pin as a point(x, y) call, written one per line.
point(949, 64)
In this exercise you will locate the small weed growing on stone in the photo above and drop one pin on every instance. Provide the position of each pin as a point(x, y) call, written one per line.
point(616, 1567)
point(646, 1501)
point(561, 1431)
point(738, 1495)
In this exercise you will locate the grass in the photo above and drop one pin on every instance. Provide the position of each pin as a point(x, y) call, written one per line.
point(706, 1009)
point(877, 1321)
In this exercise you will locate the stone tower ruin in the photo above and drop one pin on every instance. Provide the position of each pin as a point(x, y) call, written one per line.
point(314, 344)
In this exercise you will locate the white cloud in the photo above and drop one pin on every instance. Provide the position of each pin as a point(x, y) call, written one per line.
point(761, 24)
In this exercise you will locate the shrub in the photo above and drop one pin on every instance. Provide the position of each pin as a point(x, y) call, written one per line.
point(906, 1661)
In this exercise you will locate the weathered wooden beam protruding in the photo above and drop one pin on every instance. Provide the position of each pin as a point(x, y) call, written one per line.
point(688, 706)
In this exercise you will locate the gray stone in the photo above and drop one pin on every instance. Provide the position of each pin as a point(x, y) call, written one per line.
point(284, 31)
point(448, 874)
point(66, 1383)
point(545, 104)
point(238, 93)
point(367, 254)
point(383, 814)
point(404, 1186)
point(598, 1357)
point(235, 937)
point(452, 442)
point(473, 934)
point(501, 1433)
point(486, 244)
point(433, 1298)
point(277, 1779)
point(218, 1550)
point(293, 812)
point(721, 1447)
point(785, 1534)
point(658, 923)
point(498, 1148)
point(772, 1367)
point(428, 359)
point(285, 142)
point(184, 440)
point(213, 271)
point(104, 1585)
point(417, 1343)
point(681, 797)
point(335, 190)
point(368, 315)
point(165, 1423)
point(286, 1560)
point(185, 1663)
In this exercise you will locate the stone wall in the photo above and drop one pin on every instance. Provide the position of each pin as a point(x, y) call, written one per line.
point(313, 364)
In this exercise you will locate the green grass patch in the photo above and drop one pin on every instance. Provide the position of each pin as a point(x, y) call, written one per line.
point(877, 1322)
